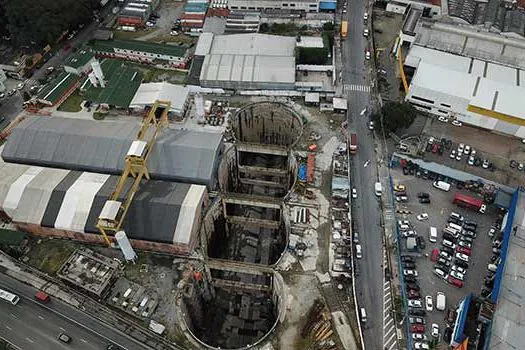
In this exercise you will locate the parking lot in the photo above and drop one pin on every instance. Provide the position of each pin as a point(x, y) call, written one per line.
point(438, 210)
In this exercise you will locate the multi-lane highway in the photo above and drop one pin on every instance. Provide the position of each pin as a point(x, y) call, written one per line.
point(29, 325)
point(367, 211)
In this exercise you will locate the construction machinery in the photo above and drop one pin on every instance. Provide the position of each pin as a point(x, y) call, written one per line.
point(114, 211)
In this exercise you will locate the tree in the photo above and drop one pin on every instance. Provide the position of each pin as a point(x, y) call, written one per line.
point(395, 116)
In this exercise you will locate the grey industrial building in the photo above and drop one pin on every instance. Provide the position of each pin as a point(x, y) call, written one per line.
point(163, 216)
point(83, 145)
point(246, 61)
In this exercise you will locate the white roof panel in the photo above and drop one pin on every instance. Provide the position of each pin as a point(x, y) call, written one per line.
point(441, 79)
point(17, 189)
point(188, 214)
point(478, 68)
point(253, 44)
point(148, 93)
point(504, 98)
point(204, 44)
point(438, 58)
point(501, 73)
point(225, 67)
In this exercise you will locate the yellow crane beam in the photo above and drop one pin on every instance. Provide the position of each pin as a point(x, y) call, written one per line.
point(401, 70)
point(114, 211)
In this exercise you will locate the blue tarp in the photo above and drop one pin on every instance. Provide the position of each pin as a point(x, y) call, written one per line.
point(302, 172)
point(327, 5)
point(458, 336)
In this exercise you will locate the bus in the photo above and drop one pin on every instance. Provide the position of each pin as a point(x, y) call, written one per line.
point(344, 29)
point(9, 297)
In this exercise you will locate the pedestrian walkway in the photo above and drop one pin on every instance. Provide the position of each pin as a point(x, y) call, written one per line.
point(356, 87)
point(389, 325)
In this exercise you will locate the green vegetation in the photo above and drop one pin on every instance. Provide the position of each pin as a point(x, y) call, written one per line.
point(50, 254)
point(395, 115)
point(287, 29)
point(151, 74)
point(31, 22)
point(72, 103)
point(99, 115)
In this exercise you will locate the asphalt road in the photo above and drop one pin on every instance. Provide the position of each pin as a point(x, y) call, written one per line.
point(33, 326)
point(366, 212)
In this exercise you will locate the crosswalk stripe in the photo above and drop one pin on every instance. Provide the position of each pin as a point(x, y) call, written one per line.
point(356, 87)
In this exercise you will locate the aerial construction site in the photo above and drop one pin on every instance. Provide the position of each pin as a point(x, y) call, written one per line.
point(212, 216)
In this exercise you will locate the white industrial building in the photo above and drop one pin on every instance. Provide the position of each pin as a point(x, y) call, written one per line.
point(463, 75)
point(247, 61)
point(148, 93)
point(258, 5)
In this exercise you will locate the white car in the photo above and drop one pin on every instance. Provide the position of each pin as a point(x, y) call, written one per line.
point(150, 24)
point(365, 33)
point(465, 244)
point(422, 216)
point(2, 95)
point(457, 275)
point(483, 209)
point(421, 346)
point(174, 33)
point(458, 156)
point(485, 164)
point(456, 123)
point(471, 160)
point(467, 149)
point(473, 152)
point(416, 303)
point(459, 269)
point(367, 54)
point(371, 125)
point(453, 154)
point(461, 148)
point(443, 119)
point(410, 273)
point(435, 330)
point(365, 16)
point(440, 273)
point(429, 305)
point(20, 86)
point(462, 257)
point(419, 336)
point(448, 244)
point(354, 193)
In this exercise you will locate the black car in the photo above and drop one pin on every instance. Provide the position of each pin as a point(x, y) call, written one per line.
point(421, 242)
point(467, 233)
point(409, 265)
point(442, 267)
point(414, 286)
point(407, 258)
point(467, 239)
point(410, 278)
point(447, 334)
point(485, 292)
point(455, 221)
point(471, 223)
point(443, 262)
point(449, 237)
point(461, 263)
point(489, 283)
point(448, 250)
point(417, 312)
point(470, 227)
point(423, 195)
point(424, 200)
point(405, 171)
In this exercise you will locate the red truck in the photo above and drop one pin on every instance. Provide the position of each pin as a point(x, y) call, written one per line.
point(353, 143)
point(470, 202)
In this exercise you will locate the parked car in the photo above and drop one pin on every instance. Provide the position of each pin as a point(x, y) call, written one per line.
point(417, 328)
point(408, 272)
point(406, 258)
point(459, 269)
point(445, 255)
point(421, 346)
point(461, 263)
point(424, 200)
point(456, 123)
point(416, 320)
point(440, 273)
point(418, 336)
point(463, 250)
point(422, 216)
point(413, 294)
point(465, 244)
point(415, 303)
point(435, 330)
point(434, 255)
point(457, 275)
point(63, 337)
point(444, 262)
point(462, 257)
point(429, 305)
point(417, 312)
point(354, 193)
point(455, 282)
point(414, 286)
point(409, 265)
point(410, 278)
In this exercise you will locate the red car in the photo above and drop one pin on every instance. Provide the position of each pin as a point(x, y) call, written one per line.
point(455, 282)
point(417, 328)
point(464, 250)
point(434, 255)
point(435, 147)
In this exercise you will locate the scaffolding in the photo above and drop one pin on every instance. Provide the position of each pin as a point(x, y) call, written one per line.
point(114, 211)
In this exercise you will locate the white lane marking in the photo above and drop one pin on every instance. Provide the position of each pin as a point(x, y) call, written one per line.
point(390, 339)
point(13, 315)
point(82, 340)
point(388, 323)
point(9, 328)
point(30, 340)
point(394, 345)
point(40, 317)
point(62, 329)
point(392, 329)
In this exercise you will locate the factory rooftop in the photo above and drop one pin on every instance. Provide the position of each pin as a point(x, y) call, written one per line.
point(36, 198)
point(122, 82)
point(84, 145)
point(56, 88)
point(110, 46)
point(463, 41)
point(507, 328)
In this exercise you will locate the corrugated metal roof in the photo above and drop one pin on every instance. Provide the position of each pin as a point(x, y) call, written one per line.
point(148, 93)
point(161, 211)
point(178, 155)
point(253, 44)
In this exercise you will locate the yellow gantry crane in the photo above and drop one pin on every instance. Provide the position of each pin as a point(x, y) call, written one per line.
point(114, 211)
point(401, 70)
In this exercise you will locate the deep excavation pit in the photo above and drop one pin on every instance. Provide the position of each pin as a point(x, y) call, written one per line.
point(245, 224)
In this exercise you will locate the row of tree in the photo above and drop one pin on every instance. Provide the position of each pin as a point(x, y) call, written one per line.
point(41, 22)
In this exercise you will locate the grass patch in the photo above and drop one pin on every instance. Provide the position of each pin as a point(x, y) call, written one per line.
point(99, 116)
point(181, 39)
point(50, 254)
point(71, 104)
point(152, 74)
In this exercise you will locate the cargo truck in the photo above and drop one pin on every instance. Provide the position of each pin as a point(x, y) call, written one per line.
point(353, 143)
point(470, 202)
point(344, 29)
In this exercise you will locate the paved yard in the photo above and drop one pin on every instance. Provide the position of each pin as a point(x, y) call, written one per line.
point(439, 209)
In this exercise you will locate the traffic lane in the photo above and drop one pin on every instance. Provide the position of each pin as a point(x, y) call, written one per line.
point(32, 327)
point(438, 211)
point(74, 316)
point(11, 106)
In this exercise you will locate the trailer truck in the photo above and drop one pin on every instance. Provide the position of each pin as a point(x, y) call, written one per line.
point(353, 143)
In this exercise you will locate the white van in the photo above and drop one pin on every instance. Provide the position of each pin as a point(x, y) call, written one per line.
point(442, 185)
point(358, 251)
point(433, 234)
point(363, 314)
point(441, 301)
point(378, 189)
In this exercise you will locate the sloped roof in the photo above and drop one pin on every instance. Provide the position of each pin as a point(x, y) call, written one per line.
point(148, 93)
point(84, 145)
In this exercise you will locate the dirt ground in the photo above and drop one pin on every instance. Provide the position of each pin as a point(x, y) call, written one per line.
point(386, 29)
